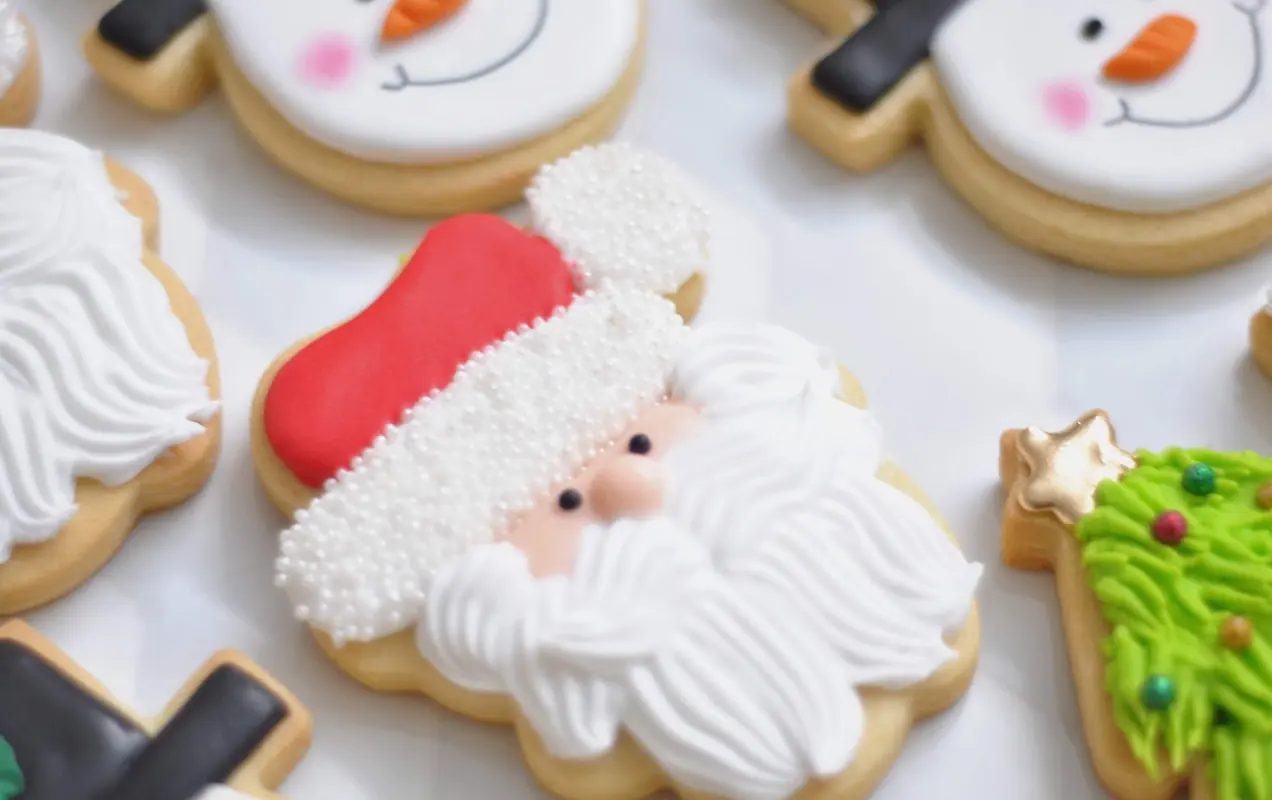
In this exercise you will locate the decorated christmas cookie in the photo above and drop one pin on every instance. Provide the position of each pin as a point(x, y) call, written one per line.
point(19, 67)
point(108, 378)
point(1063, 123)
point(232, 733)
point(671, 557)
point(414, 107)
point(1163, 568)
point(1261, 336)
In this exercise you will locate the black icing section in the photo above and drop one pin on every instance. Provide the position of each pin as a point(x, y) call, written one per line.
point(218, 729)
point(142, 28)
point(72, 746)
point(878, 55)
point(68, 744)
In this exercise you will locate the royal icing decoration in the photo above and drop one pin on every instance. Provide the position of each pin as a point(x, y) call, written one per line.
point(491, 74)
point(1101, 97)
point(1174, 545)
point(72, 742)
point(729, 631)
point(13, 44)
point(357, 561)
point(612, 217)
point(622, 216)
point(97, 376)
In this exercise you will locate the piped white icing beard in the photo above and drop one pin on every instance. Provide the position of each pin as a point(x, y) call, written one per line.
point(729, 635)
point(97, 376)
point(1029, 87)
point(500, 72)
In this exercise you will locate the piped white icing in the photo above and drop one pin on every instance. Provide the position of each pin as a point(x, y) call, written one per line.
point(730, 636)
point(13, 44)
point(517, 417)
point(534, 65)
point(97, 376)
point(1029, 87)
point(620, 215)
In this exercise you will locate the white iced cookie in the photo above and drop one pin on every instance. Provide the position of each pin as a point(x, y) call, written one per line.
point(452, 104)
point(1064, 123)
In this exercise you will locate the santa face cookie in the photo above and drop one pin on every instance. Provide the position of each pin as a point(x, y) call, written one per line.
point(334, 89)
point(669, 557)
point(232, 733)
point(107, 371)
point(1162, 571)
point(1068, 138)
point(19, 68)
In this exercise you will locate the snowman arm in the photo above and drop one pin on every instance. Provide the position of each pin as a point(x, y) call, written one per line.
point(875, 57)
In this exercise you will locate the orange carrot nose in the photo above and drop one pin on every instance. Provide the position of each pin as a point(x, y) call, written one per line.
point(408, 17)
point(1154, 52)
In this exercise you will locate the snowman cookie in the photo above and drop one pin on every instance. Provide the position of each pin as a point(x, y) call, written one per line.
point(108, 377)
point(1115, 134)
point(19, 67)
point(411, 107)
point(232, 733)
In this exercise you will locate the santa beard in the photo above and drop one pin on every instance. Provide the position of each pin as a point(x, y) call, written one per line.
point(729, 635)
point(97, 376)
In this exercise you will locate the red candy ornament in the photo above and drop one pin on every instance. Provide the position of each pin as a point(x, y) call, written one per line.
point(1170, 528)
point(473, 279)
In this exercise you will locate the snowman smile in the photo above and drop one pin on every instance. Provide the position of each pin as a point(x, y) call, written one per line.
point(402, 78)
point(1128, 116)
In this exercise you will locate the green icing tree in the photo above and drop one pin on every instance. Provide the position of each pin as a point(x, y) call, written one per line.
point(11, 782)
point(1189, 598)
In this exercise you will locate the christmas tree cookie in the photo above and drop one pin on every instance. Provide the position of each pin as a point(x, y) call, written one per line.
point(1163, 564)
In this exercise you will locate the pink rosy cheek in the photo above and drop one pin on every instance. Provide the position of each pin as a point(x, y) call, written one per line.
point(1067, 104)
point(327, 61)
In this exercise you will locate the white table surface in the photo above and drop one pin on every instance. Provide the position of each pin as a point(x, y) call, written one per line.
point(956, 334)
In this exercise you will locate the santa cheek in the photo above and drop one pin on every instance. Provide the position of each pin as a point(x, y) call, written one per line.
point(1067, 105)
point(327, 61)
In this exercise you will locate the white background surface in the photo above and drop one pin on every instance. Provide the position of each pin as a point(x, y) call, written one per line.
point(956, 334)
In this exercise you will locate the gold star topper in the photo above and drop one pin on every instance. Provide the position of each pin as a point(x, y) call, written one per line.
point(1065, 467)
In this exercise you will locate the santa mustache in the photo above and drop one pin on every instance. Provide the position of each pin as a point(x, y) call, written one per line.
point(728, 635)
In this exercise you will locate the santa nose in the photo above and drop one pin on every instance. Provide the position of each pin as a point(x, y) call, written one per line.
point(1155, 51)
point(628, 486)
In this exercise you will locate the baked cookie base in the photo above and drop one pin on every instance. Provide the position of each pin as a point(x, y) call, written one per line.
point(1261, 341)
point(38, 574)
point(1085, 235)
point(394, 664)
point(18, 103)
point(1039, 541)
point(198, 59)
point(262, 772)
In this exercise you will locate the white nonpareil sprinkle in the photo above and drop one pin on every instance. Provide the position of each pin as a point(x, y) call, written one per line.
point(519, 416)
point(620, 215)
point(13, 44)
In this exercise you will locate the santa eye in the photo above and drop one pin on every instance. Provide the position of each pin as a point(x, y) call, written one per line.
point(570, 500)
point(1092, 28)
point(640, 445)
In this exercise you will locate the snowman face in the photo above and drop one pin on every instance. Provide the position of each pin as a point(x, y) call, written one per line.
point(1138, 105)
point(385, 80)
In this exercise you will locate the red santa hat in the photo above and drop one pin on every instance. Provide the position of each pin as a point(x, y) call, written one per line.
point(516, 357)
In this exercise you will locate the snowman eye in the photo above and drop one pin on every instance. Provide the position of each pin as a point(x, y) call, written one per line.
point(1092, 28)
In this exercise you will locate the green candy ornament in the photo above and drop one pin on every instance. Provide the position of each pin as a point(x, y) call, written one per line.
point(11, 781)
point(1158, 692)
point(1199, 479)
